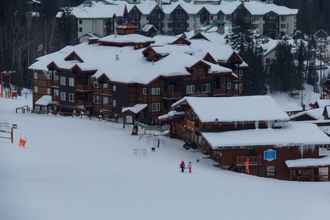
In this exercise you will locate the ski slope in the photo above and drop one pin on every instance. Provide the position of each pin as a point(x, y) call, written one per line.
point(85, 169)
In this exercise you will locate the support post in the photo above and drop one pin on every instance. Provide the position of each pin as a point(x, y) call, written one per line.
point(12, 134)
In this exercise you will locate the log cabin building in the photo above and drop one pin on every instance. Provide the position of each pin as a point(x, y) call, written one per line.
point(120, 71)
point(251, 135)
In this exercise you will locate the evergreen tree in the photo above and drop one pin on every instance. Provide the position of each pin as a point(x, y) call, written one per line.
point(242, 35)
point(255, 78)
point(284, 75)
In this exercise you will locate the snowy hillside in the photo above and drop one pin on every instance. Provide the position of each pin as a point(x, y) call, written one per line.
point(86, 169)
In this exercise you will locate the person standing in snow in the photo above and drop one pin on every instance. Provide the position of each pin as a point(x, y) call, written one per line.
point(190, 167)
point(182, 166)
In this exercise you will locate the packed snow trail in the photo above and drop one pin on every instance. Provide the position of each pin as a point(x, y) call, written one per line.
point(85, 169)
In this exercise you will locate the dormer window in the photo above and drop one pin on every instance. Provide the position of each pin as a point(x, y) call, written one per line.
point(73, 57)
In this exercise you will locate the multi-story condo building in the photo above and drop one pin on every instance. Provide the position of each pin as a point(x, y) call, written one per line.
point(119, 71)
point(180, 16)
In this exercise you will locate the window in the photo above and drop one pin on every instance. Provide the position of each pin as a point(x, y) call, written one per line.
point(114, 103)
point(155, 107)
point(55, 76)
point(80, 29)
point(144, 91)
point(105, 85)
point(49, 91)
point(56, 92)
point(97, 99)
point(71, 97)
point(35, 89)
point(37, 108)
point(205, 88)
point(155, 91)
point(190, 89)
point(71, 82)
point(283, 26)
point(35, 75)
point(114, 88)
point(63, 96)
point(80, 21)
point(63, 81)
point(270, 171)
point(49, 75)
point(228, 85)
point(105, 100)
point(171, 89)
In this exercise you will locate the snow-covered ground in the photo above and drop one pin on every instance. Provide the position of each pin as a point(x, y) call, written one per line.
point(86, 169)
point(289, 103)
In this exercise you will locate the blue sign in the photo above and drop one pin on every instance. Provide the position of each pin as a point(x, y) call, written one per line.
point(270, 155)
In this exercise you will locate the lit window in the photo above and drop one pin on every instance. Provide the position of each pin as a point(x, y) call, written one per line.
point(114, 88)
point(105, 85)
point(49, 91)
point(35, 75)
point(35, 89)
point(114, 103)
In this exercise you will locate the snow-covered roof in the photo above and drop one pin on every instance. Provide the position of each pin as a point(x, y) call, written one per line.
point(287, 103)
point(98, 10)
point(44, 100)
point(170, 115)
point(128, 65)
point(147, 27)
point(234, 109)
point(314, 113)
point(135, 109)
point(323, 103)
point(261, 8)
point(308, 162)
point(108, 10)
point(131, 38)
point(294, 134)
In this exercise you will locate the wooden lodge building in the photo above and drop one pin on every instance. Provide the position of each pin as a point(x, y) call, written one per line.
point(105, 76)
point(251, 135)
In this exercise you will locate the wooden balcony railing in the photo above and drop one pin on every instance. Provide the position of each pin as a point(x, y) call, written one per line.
point(52, 83)
point(84, 88)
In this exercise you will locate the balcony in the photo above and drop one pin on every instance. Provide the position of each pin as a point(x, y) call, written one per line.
point(84, 88)
point(53, 84)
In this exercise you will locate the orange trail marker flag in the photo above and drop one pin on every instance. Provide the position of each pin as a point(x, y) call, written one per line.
point(22, 142)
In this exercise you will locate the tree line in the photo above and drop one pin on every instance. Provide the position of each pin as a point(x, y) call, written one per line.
point(313, 14)
point(29, 29)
